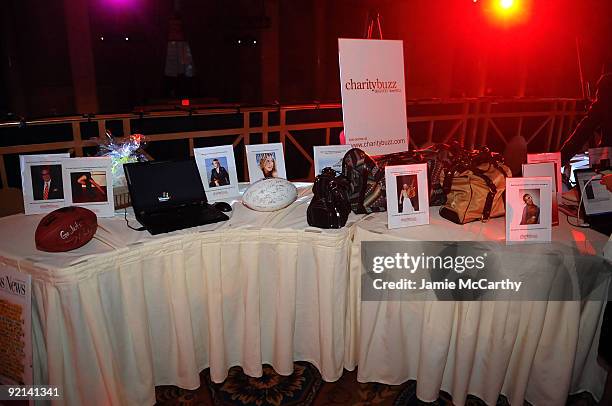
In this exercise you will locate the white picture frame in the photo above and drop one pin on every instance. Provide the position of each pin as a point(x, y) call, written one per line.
point(329, 156)
point(89, 182)
point(407, 195)
point(217, 167)
point(259, 155)
point(547, 169)
point(554, 157)
point(529, 209)
point(33, 184)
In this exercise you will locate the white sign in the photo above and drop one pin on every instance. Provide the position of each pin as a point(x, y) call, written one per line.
point(265, 161)
point(89, 183)
point(407, 195)
point(15, 325)
point(529, 209)
point(329, 156)
point(217, 168)
point(554, 157)
point(42, 183)
point(373, 95)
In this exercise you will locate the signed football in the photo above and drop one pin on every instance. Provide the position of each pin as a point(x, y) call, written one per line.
point(269, 194)
point(65, 229)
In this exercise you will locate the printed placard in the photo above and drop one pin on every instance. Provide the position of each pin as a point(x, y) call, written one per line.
point(217, 168)
point(89, 182)
point(373, 95)
point(554, 157)
point(15, 325)
point(600, 157)
point(529, 209)
point(546, 169)
point(329, 156)
point(42, 182)
point(407, 195)
point(265, 161)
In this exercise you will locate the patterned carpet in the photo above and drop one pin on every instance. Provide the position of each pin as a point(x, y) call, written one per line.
point(305, 387)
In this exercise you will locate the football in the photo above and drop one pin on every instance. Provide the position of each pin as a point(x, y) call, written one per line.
point(65, 229)
point(269, 194)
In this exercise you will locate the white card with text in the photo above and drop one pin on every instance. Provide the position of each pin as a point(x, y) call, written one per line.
point(407, 195)
point(529, 209)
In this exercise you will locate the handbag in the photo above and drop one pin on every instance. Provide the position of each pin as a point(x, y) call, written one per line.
point(366, 175)
point(329, 207)
point(475, 185)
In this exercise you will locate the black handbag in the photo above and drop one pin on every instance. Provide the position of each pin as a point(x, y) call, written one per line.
point(329, 207)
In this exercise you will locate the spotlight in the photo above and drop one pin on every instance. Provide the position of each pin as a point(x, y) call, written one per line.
point(240, 41)
point(127, 39)
point(506, 3)
point(254, 42)
point(101, 38)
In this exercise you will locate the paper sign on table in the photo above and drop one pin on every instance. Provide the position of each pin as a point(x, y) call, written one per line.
point(407, 195)
point(373, 95)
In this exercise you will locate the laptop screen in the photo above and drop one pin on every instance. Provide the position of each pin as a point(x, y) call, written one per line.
point(156, 185)
point(595, 197)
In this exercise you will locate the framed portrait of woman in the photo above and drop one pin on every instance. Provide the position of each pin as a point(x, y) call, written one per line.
point(529, 209)
point(266, 161)
point(407, 196)
point(88, 182)
point(217, 168)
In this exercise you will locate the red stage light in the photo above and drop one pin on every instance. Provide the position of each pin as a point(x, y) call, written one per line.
point(185, 102)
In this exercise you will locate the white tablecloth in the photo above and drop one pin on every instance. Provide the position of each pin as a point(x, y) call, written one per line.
point(537, 351)
point(130, 311)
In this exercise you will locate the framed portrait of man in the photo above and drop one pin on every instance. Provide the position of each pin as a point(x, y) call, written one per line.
point(42, 182)
point(217, 168)
point(529, 209)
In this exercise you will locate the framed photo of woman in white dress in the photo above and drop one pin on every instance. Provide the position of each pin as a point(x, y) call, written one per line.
point(407, 197)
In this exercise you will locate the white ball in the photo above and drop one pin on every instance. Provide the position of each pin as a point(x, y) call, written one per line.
point(269, 194)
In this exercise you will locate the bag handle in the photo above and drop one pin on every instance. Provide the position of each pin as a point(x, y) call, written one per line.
point(486, 212)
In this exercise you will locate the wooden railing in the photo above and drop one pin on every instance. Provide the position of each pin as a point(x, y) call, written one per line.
point(543, 122)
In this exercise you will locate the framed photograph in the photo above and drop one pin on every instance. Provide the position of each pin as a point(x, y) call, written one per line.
point(329, 156)
point(546, 169)
point(529, 209)
point(407, 196)
point(554, 157)
point(42, 182)
point(217, 168)
point(265, 161)
point(89, 183)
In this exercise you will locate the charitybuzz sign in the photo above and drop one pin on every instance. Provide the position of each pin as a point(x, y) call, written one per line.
point(465, 271)
point(373, 95)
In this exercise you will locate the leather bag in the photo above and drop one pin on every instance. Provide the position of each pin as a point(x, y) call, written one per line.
point(475, 187)
point(329, 207)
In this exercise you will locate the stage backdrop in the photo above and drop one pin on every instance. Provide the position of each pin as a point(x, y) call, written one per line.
point(373, 94)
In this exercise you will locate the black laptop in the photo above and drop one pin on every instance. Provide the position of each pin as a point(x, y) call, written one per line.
point(596, 200)
point(169, 196)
